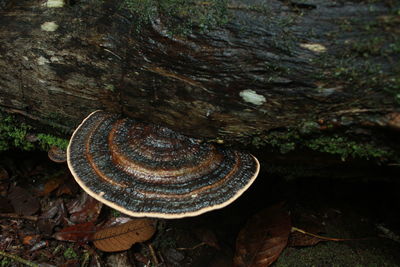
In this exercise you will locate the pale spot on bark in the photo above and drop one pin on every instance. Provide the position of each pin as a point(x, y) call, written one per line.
point(49, 26)
point(318, 48)
point(252, 97)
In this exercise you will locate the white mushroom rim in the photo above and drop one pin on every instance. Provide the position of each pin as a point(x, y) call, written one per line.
point(99, 196)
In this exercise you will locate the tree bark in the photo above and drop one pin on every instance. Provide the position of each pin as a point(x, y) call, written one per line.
point(317, 64)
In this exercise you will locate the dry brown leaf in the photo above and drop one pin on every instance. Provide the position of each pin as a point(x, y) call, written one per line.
point(298, 239)
point(263, 238)
point(51, 185)
point(84, 209)
point(76, 233)
point(30, 239)
point(69, 187)
point(122, 237)
point(23, 202)
point(311, 223)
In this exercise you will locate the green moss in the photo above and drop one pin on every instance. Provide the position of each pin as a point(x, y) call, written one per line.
point(5, 262)
point(115, 213)
point(305, 138)
point(13, 135)
point(46, 141)
point(70, 254)
point(179, 16)
point(345, 148)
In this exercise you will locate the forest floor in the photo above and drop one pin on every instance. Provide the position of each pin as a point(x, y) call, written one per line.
point(39, 199)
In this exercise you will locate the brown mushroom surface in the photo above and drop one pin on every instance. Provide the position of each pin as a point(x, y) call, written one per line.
point(57, 154)
point(146, 170)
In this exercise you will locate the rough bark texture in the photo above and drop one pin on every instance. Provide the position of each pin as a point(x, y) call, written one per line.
point(311, 66)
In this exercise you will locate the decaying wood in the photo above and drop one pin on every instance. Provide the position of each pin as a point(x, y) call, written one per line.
point(260, 71)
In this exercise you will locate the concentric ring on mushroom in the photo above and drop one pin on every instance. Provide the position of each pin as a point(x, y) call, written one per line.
point(147, 170)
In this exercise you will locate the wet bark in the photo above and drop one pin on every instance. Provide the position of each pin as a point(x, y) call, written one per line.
point(292, 65)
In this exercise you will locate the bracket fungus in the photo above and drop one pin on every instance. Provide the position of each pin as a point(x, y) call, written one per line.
point(146, 170)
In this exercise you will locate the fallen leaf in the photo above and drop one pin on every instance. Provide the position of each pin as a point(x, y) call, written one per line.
point(263, 238)
point(69, 187)
point(51, 185)
point(122, 237)
point(84, 209)
point(30, 239)
point(297, 239)
point(311, 223)
point(76, 233)
point(53, 216)
point(64, 190)
point(23, 202)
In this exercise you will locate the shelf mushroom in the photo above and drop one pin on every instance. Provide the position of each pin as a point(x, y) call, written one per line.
point(146, 170)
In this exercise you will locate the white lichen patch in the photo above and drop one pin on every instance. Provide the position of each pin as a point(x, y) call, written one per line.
point(252, 97)
point(317, 48)
point(55, 59)
point(42, 61)
point(49, 26)
point(55, 3)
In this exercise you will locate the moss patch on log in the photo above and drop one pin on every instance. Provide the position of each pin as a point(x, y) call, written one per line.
point(334, 143)
point(367, 60)
point(19, 135)
point(179, 16)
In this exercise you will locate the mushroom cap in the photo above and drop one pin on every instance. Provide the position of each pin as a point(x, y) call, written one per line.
point(146, 170)
point(57, 154)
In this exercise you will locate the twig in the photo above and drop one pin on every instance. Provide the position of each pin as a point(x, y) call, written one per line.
point(360, 110)
point(153, 254)
point(192, 248)
point(17, 216)
point(326, 238)
point(18, 259)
